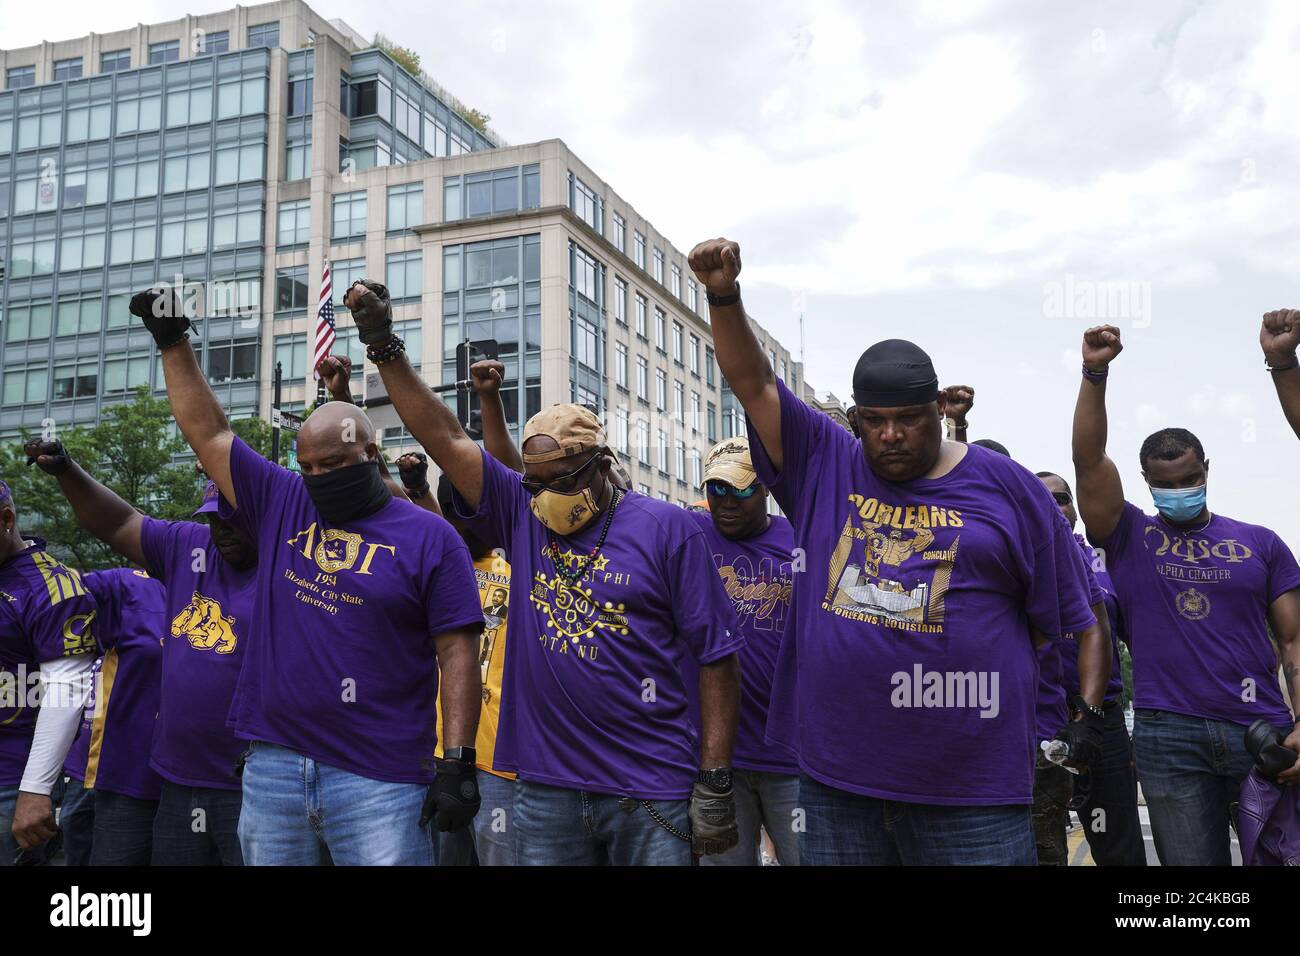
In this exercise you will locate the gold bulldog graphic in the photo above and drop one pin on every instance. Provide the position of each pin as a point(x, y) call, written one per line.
point(205, 626)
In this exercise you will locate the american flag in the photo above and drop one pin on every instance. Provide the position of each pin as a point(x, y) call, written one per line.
point(324, 320)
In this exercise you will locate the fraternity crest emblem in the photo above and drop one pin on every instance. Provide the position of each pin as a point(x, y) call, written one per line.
point(1192, 604)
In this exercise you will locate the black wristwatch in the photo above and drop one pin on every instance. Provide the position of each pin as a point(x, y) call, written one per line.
point(463, 754)
point(1083, 706)
point(723, 299)
point(718, 779)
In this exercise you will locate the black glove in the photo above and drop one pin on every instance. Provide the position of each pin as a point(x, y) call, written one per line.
point(453, 797)
point(163, 315)
point(371, 311)
point(415, 478)
point(713, 820)
point(59, 462)
point(1083, 737)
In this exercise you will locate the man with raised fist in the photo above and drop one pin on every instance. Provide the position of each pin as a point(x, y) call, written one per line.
point(208, 574)
point(908, 692)
point(610, 591)
point(363, 602)
point(1199, 592)
point(1278, 337)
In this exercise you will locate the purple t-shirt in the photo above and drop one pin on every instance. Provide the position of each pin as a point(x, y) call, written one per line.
point(1070, 647)
point(132, 620)
point(594, 696)
point(340, 665)
point(913, 652)
point(45, 613)
point(209, 612)
point(1058, 665)
point(757, 575)
point(1196, 605)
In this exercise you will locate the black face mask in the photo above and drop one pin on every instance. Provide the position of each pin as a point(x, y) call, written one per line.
point(348, 493)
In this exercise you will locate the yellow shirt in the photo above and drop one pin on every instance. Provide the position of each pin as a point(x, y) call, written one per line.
point(493, 576)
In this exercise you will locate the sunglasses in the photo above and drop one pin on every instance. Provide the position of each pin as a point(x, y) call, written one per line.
point(1062, 497)
point(561, 484)
point(720, 489)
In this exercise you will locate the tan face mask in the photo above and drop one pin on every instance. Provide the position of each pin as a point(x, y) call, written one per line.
point(565, 514)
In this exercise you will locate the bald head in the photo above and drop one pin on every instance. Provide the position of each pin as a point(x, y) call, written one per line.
point(335, 435)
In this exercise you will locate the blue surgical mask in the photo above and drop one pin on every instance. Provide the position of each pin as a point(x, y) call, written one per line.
point(1179, 504)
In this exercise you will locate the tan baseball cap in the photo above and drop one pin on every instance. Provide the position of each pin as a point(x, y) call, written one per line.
point(575, 428)
point(729, 461)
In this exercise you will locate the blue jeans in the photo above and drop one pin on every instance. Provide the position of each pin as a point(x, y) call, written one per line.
point(123, 830)
point(764, 801)
point(1191, 769)
point(555, 826)
point(1110, 814)
point(297, 812)
point(849, 829)
point(8, 845)
point(77, 821)
point(197, 826)
point(490, 839)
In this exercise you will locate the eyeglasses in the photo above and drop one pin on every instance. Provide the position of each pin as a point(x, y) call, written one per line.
point(720, 489)
point(1062, 497)
point(561, 484)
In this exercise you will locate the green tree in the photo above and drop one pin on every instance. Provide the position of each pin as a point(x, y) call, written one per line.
point(131, 450)
point(476, 119)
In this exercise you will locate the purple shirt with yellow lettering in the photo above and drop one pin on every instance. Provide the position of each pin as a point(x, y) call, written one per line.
point(1196, 604)
point(45, 613)
point(340, 664)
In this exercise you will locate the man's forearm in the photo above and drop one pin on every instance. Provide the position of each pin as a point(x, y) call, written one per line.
point(719, 709)
point(460, 687)
point(1088, 438)
point(199, 415)
point(101, 512)
point(1094, 659)
point(1287, 384)
point(741, 358)
point(1291, 670)
point(496, 431)
point(435, 427)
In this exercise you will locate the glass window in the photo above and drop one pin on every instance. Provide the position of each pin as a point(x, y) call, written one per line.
point(291, 289)
point(264, 34)
point(67, 69)
point(677, 343)
point(708, 364)
point(620, 233)
point(620, 364)
point(405, 206)
point(168, 51)
point(77, 316)
point(349, 215)
point(694, 354)
point(84, 187)
point(215, 42)
point(294, 225)
point(297, 161)
point(640, 314)
point(132, 244)
point(586, 275)
point(659, 266)
point(695, 412)
point(89, 122)
point(32, 257)
point(693, 295)
point(241, 97)
point(584, 201)
point(679, 403)
point(76, 379)
point(677, 281)
point(239, 163)
point(237, 227)
point(291, 354)
point(661, 389)
point(661, 329)
point(16, 77)
point(403, 275)
point(138, 114)
point(28, 322)
point(642, 370)
point(638, 249)
point(620, 301)
point(115, 60)
point(713, 422)
point(185, 107)
point(232, 362)
point(184, 234)
point(300, 95)
point(181, 173)
point(344, 273)
point(78, 251)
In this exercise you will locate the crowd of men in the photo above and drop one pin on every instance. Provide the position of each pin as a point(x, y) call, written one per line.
point(919, 663)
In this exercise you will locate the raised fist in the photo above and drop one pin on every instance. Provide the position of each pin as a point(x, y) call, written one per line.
point(371, 311)
point(1279, 335)
point(163, 315)
point(336, 371)
point(49, 456)
point(716, 263)
point(1100, 346)
point(958, 401)
point(414, 470)
point(487, 376)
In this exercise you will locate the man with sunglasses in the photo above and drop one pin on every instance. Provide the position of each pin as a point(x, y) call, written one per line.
point(1108, 809)
point(932, 567)
point(610, 593)
point(754, 554)
point(1200, 593)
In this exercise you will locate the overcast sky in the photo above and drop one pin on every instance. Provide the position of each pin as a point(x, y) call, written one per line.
point(987, 183)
